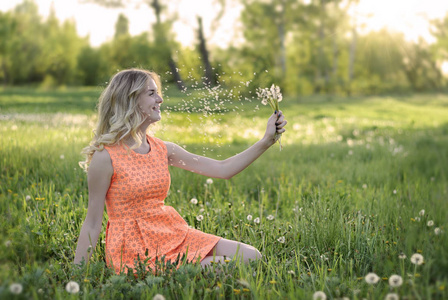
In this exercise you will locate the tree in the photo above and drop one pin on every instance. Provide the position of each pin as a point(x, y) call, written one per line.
point(161, 30)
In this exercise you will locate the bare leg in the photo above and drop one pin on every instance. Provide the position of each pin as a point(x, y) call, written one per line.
point(231, 249)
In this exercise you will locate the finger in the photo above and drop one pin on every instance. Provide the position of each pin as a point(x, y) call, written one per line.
point(281, 130)
point(282, 124)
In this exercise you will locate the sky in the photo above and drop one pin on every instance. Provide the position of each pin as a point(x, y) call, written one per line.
point(407, 16)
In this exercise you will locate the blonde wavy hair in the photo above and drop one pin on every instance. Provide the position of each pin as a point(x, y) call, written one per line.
point(119, 116)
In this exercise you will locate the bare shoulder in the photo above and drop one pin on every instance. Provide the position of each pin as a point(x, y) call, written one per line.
point(101, 162)
point(170, 148)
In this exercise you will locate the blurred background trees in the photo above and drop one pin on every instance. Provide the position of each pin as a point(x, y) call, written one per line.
point(312, 47)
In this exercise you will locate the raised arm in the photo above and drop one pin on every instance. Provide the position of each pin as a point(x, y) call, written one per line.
point(179, 157)
point(98, 177)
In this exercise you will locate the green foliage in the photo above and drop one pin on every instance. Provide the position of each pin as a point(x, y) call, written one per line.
point(345, 194)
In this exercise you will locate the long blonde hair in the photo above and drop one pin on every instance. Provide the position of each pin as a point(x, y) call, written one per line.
point(119, 115)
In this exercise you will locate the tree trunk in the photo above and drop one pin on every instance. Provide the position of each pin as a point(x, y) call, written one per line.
point(162, 36)
point(351, 61)
point(208, 78)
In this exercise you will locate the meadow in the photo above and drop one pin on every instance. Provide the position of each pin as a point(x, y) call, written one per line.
point(360, 187)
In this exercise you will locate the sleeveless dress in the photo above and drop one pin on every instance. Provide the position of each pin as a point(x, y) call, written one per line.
point(139, 223)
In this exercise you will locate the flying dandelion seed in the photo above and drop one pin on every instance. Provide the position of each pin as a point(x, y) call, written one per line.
point(249, 217)
point(270, 217)
point(392, 296)
point(417, 259)
point(430, 223)
point(281, 240)
point(158, 297)
point(372, 278)
point(422, 213)
point(395, 281)
point(257, 220)
point(16, 288)
point(194, 201)
point(437, 231)
point(72, 287)
point(200, 218)
point(319, 295)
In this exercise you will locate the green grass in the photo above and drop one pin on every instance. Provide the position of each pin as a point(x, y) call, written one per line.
point(345, 193)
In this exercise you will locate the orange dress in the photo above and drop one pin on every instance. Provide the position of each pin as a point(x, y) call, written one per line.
point(139, 222)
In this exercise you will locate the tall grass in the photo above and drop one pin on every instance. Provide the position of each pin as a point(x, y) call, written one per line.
point(342, 199)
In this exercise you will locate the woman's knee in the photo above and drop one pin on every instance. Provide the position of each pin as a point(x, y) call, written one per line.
point(249, 252)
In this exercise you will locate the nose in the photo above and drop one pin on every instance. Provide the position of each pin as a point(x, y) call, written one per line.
point(159, 99)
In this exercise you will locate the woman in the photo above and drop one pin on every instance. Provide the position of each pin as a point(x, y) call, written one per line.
point(128, 171)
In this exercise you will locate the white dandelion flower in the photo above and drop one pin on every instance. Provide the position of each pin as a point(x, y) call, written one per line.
point(392, 296)
point(395, 281)
point(422, 212)
point(158, 297)
point(270, 217)
point(209, 181)
point(257, 220)
point(72, 287)
point(430, 223)
point(417, 259)
point(249, 217)
point(199, 218)
point(16, 288)
point(194, 201)
point(437, 231)
point(402, 255)
point(319, 295)
point(28, 198)
point(372, 278)
point(281, 240)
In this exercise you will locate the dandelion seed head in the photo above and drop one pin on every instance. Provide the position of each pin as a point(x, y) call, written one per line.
point(395, 281)
point(270, 217)
point(291, 272)
point(16, 288)
point(402, 255)
point(8, 243)
point(372, 278)
point(281, 240)
point(257, 220)
point(249, 217)
point(72, 287)
point(209, 181)
point(392, 296)
point(158, 297)
point(28, 197)
point(194, 201)
point(437, 231)
point(319, 295)
point(430, 223)
point(422, 213)
point(417, 259)
point(199, 218)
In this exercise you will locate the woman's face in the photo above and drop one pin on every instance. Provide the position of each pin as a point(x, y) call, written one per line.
point(149, 102)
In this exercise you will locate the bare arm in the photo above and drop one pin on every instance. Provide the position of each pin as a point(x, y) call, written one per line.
point(179, 157)
point(98, 177)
